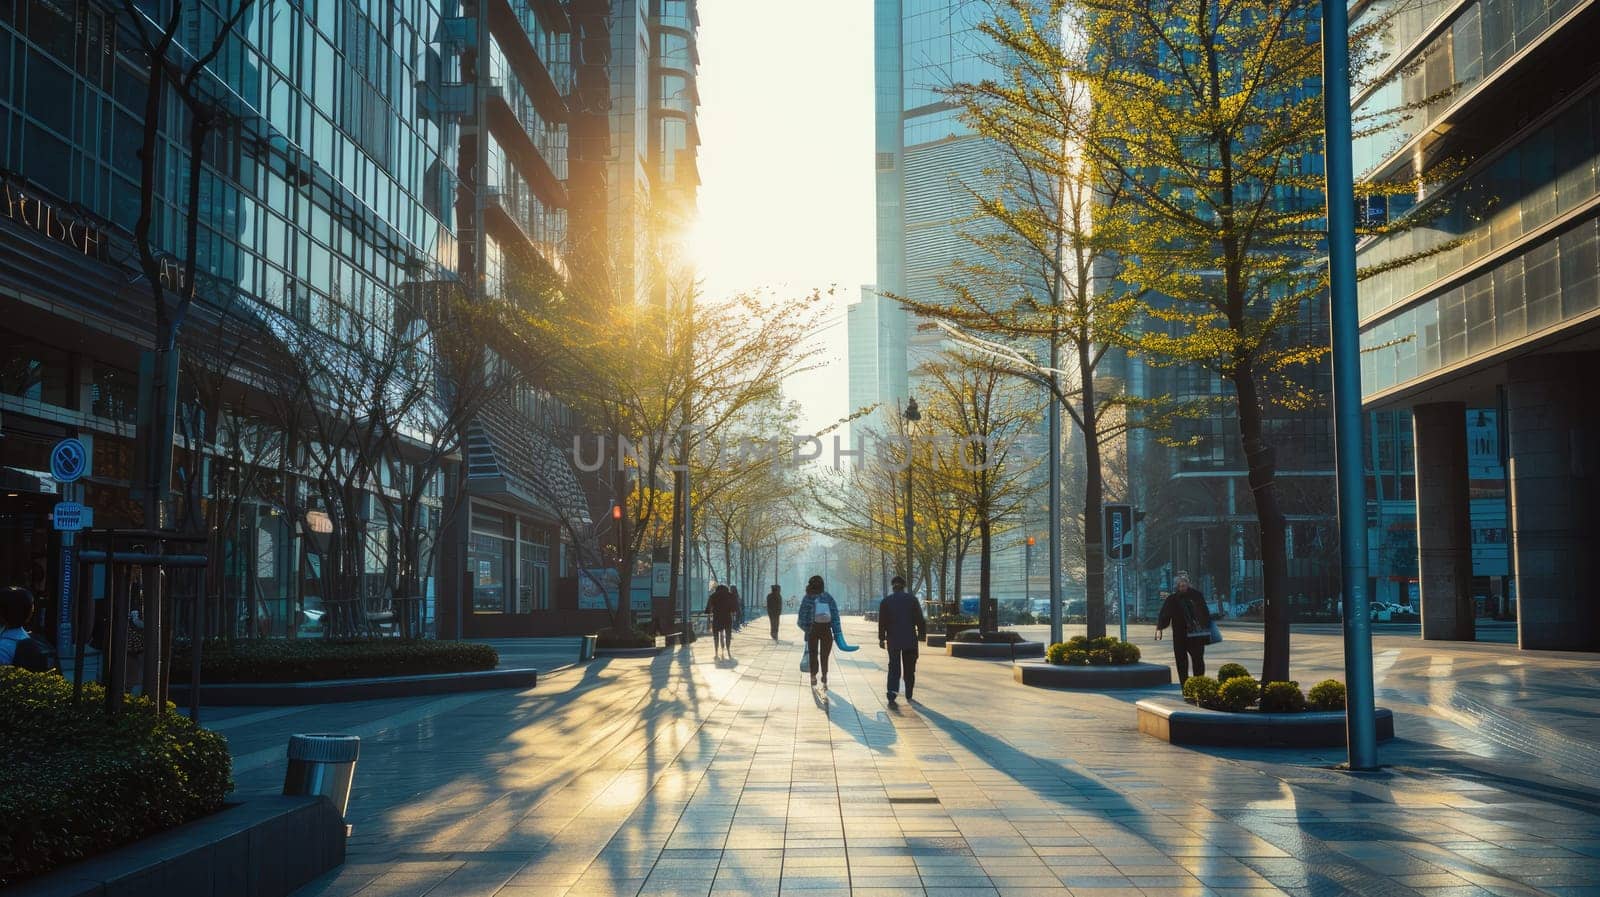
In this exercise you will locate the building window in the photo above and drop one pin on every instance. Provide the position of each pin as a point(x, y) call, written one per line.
point(29, 370)
point(533, 581)
point(488, 560)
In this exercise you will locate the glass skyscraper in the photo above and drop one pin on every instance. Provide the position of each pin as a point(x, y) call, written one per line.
point(361, 154)
point(1483, 320)
point(928, 161)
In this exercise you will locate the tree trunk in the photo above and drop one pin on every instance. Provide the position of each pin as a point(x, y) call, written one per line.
point(1269, 519)
point(1094, 546)
point(988, 606)
point(675, 554)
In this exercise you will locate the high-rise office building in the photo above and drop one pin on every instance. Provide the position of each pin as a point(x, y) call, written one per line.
point(363, 156)
point(654, 177)
point(928, 164)
point(876, 362)
point(1485, 322)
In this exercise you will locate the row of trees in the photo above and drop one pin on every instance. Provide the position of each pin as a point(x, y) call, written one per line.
point(1161, 195)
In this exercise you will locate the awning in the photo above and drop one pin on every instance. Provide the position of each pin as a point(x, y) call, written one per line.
point(510, 459)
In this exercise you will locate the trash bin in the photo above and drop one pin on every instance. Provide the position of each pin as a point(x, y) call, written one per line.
point(322, 764)
point(586, 650)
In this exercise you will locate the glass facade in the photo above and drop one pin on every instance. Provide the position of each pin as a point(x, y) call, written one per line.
point(323, 185)
point(1548, 173)
point(1479, 40)
point(1538, 275)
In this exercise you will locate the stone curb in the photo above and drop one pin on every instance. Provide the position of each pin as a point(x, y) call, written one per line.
point(330, 691)
point(937, 640)
point(993, 650)
point(1177, 722)
point(1042, 674)
point(267, 846)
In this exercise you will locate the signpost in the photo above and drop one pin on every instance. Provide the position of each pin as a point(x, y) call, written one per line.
point(1119, 547)
point(69, 462)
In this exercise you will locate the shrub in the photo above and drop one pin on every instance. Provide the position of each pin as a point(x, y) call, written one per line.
point(945, 621)
point(1124, 653)
point(1237, 694)
point(1231, 671)
point(1327, 695)
point(79, 783)
point(315, 659)
point(1200, 690)
point(1282, 697)
point(1079, 651)
point(1001, 637)
point(613, 638)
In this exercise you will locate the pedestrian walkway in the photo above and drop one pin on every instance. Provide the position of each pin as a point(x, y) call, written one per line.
point(690, 775)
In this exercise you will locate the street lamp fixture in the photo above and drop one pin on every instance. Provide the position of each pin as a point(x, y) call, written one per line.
point(912, 416)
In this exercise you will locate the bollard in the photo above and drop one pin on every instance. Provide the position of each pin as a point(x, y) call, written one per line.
point(322, 764)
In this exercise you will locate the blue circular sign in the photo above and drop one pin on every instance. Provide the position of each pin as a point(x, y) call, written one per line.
point(69, 460)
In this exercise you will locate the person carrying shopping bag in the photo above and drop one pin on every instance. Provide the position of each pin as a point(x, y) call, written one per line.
point(819, 620)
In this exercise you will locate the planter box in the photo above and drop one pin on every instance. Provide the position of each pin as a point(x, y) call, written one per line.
point(1042, 674)
point(1174, 721)
point(936, 640)
point(994, 650)
point(628, 652)
point(265, 847)
point(329, 691)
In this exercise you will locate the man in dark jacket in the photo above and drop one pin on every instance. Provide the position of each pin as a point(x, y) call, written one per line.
point(901, 627)
point(721, 609)
point(1185, 608)
point(774, 608)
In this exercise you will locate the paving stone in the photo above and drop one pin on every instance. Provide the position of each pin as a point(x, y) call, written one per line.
point(684, 776)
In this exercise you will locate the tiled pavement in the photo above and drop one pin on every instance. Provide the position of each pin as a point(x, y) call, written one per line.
point(689, 775)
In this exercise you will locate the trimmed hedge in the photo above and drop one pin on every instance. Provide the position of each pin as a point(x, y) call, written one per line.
point(1201, 691)
point(1328, 694)
point(1282, 697)
point(1081, 651)
point(1237, 694)
point(612, 638)
point(1231, 671)
point(77, 782)
point(998, 637)
point(315, 659)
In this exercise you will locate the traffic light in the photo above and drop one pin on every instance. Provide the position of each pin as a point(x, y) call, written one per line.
point(616, 512)
point(1030, 542)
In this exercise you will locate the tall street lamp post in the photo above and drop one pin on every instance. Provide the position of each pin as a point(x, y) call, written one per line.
point(912, 416)
point(1345, 333)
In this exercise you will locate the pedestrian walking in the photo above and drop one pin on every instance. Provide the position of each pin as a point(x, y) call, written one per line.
point(901, 627)
point(819, 617)
point(1185, 611)
point(720, 608)
point(738, 608)
point(774, 608)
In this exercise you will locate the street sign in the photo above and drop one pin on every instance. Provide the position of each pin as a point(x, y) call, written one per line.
point(69, 460)
point(660, 580)
point(1119, 531)
point(70, 517)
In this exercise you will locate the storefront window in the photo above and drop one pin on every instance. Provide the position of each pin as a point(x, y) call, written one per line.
point(533, 583)
point(489, 558)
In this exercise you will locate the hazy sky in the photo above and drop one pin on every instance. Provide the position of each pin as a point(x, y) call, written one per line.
point(786, 162)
